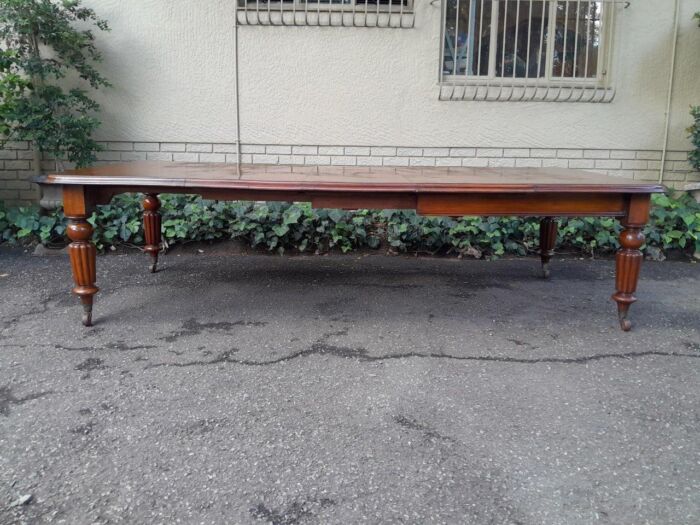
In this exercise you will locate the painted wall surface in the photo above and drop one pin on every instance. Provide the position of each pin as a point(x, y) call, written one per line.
point(173, 63)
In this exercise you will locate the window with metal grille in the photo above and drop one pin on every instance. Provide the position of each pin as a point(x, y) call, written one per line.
point(548, 50)
point(341, 13)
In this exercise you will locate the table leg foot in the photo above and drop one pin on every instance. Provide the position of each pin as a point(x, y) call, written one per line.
point(625, 323)
point(545, 271)
point(152, 228)
point(548, 238)
point(87, 313)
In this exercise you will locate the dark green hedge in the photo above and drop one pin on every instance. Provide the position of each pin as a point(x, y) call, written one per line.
point(674, 225)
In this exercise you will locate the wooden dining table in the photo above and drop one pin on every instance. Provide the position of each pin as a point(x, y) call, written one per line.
point(547, 193)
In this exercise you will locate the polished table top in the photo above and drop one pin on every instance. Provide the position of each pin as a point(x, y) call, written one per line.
point(349, 178)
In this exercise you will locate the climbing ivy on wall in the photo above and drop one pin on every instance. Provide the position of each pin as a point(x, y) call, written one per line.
point(694, 129)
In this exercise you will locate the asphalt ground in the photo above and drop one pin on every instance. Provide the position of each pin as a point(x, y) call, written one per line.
point(348, 389)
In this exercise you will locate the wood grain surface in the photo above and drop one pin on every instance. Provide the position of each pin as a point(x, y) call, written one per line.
point(357, 179)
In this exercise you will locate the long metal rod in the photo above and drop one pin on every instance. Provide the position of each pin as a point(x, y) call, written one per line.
point(669, 97)
point(455, 49)
point(587, 48)
point(578, 19)
point(455, 56)
point(477, 71)
point(443, 40)
point(481, 30)
point(602, 76)
point(515, 38)
point(574, 61)
point(611, 54)
point(236, 89)
point(470, 37)
point(493, 45)
point(566, 34)
point(515, 48)
point(503, 52)
point(549, 57)
point(589, 16)
point(539, 52)
point(527, 51)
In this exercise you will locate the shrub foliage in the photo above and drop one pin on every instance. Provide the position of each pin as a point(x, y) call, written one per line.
point(279, 227)
point(47, 45)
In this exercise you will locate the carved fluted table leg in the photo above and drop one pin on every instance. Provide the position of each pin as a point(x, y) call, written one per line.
point(78, 205)
point(151, 228)
point(83, 259)
point(628, 263)
point(548, 238)
point(628, 260)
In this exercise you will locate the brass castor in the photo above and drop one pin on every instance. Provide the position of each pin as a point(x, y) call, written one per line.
point(87, 315)
point(625, 323)
point(545, 271)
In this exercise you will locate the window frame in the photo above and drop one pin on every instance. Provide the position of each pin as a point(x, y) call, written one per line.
point(602, 79)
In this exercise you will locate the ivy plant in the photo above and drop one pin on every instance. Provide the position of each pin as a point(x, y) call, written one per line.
point(694, 131)
point(47, 65)
point(674, 225)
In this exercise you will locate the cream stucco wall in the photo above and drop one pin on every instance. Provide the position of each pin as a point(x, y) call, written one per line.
point(172, 64)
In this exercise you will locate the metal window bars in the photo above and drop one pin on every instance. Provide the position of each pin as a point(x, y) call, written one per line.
point(528, 50)
point(392, 14)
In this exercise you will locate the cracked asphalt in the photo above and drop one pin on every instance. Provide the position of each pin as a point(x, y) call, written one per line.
point(348, 389)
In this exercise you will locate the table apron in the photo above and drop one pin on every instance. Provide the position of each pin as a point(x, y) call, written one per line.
point(563, 204)
point(447, 204)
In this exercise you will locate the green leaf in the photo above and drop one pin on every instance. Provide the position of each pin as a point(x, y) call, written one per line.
point(280, 230)
point(336, 215)
point(291, 216)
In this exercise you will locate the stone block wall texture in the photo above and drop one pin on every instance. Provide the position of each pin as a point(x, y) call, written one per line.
point(16, 160)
